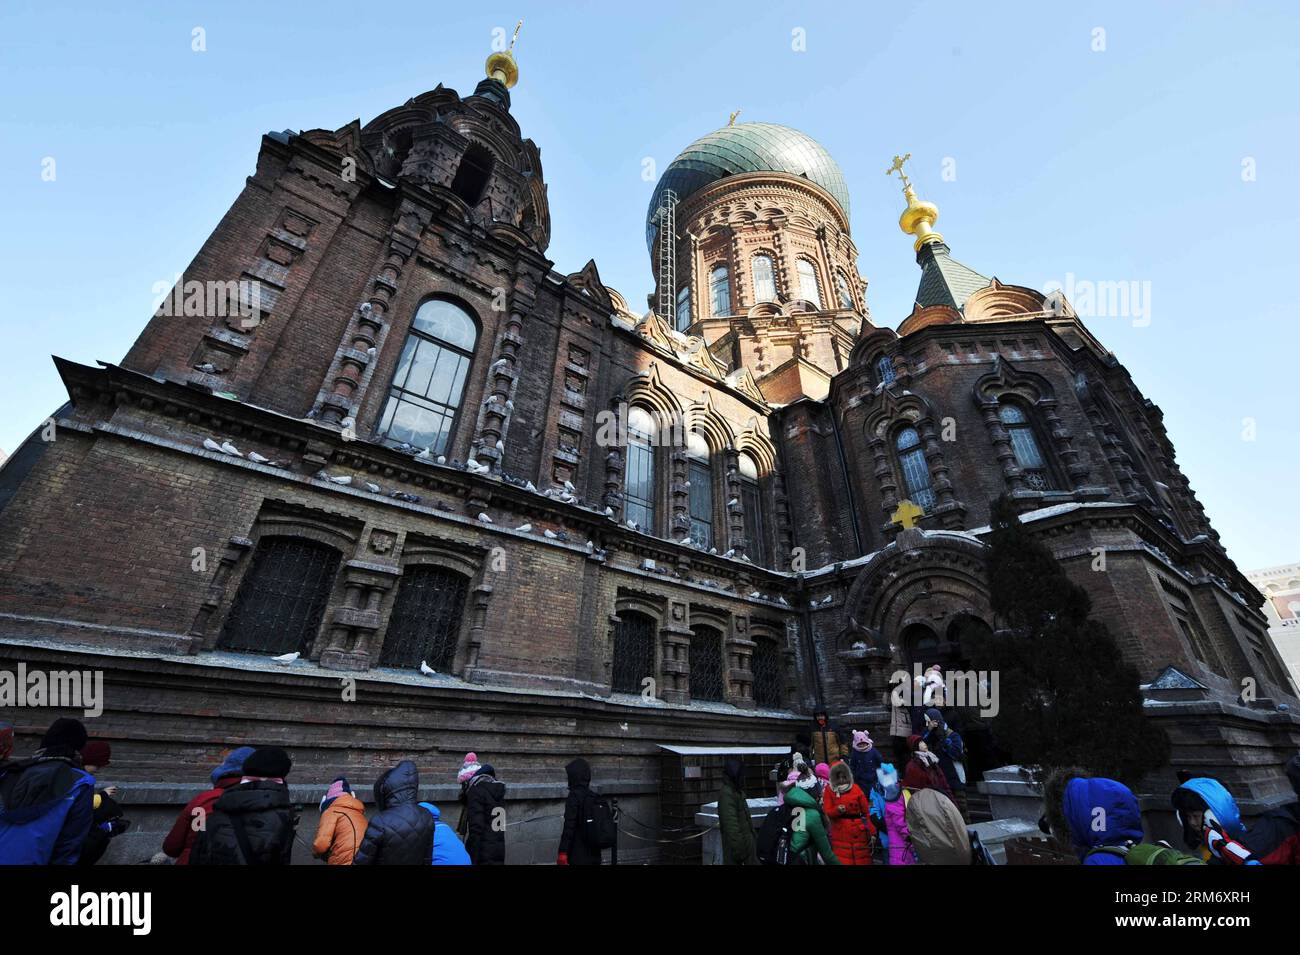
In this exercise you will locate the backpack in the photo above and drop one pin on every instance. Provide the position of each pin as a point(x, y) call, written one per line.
point(599, 829)
point(774, 835)
point(1147, 853)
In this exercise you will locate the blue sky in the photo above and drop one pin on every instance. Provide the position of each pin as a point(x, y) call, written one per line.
point(1121, 164)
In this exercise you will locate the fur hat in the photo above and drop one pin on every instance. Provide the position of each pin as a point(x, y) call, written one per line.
point(841, 778)
point(862, 741)
point(468, 768)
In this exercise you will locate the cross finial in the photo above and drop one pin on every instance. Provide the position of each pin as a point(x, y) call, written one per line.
point(897, 167)
point(516, 36)
point(732, 120)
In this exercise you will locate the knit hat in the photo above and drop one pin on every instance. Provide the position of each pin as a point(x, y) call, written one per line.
point(468, 768)
point(861, 740)
point(822, 771)
point(96, 753)
point(914, 741)
point(233, 764)
point(337, 789)
point(64, 732)
point(486, 770)
point(6, 739)
point(934, 716)
point(268, 762)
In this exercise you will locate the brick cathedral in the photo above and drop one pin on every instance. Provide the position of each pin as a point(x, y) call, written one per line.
point(391, 456)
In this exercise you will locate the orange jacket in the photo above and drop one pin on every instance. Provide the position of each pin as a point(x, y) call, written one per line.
point(342, 825)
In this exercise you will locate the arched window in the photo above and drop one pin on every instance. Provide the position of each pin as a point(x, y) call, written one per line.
point(282, 597)
point(706, 665)
point(752, 501)
point(764, 279)
point(1025, 445)
point(699, 472)
point(769, 681)
point(842, 287)
point(425, 621)
point(808, 286)
point(916, 472)
point(472, 174)
point(719, 292)
point(634, 651)
point(683, 308)
point(430, 378)
point(639, 476)
point(885, 373)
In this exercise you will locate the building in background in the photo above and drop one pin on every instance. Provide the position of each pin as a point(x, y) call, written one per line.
point(494, 509)
point(1281, 589)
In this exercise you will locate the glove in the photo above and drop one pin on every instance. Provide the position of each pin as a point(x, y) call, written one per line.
point(562, 859)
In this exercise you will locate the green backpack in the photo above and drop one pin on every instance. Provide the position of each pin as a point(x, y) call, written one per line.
point(1148, 853)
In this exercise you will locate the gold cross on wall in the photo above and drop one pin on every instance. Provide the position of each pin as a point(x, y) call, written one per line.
point(906, 514)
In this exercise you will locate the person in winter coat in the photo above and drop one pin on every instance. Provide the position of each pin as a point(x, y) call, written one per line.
point(735, 824)
point(1275, 836)
point(894, 814)
point(108, 820)
point(809, 840)
point(468, 768)
point(827, 741)
point(447, 847)
point(193, 819)
point(47, 801)
point(864, 760)
point(946, 743)
point(485, 805)
point(401, 832)
point(1101, 817)
point(822, 772)
point(937, 830)
point(574, 847)
point(252, 823)
point(922, 770)
point(849, 811)
point(342, 824)
point(1211, 822)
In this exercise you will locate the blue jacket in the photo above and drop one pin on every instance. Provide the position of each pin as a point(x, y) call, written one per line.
point(1220, 802)
point(46, 809)
point(447, 847)
point(1101, 812)
point(864, 766)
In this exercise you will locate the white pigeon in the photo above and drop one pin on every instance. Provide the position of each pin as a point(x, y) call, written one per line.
point(257, 458)
point(609, 512)
point(729, 553)
point(228, 448)
point(424, 455)
point(484, 518)
point(551, 534)
point(525, 528)
point(568, 486)
point(500, 445)
point(207, 368)
point(322, 475)
point(734, 502)
point(345, 480)
point(211, 445)
point(372, 488)
point(510, 405)
point(427, 670)
point(442, 459)
point(756, 595)
point(590, 547)
point(287, 658)
point(623, 727)
point(530, 486)
point(347, 423)
point(371, 351)
point(632, 524)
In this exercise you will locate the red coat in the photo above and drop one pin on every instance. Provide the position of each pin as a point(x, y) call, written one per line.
point(917, 777)
point(851, 828)
point(180, 840)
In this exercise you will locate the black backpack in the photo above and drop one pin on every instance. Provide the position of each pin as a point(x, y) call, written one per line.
point(599, 828)
point(774, 835)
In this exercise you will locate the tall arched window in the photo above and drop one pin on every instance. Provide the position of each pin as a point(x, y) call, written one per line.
point(634, 651)
point(885, 373)
point(719, 292)
point(1025, 445)
point(684, 308)
point(707, 681)
point(639, 476)
point(842, 287)
point(916, 472)
point(425, 621)
point(430, 378)
point(752, 502)
point(764, 279)
point(808, 286)
point(699, 472)
point(769, 681)
point(282, 597)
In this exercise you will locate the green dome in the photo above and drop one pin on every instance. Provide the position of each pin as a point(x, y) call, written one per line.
point(748, 147)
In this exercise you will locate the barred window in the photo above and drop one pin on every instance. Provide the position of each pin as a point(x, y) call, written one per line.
point(1024, 443)
point(885, 373)
point(639, 479)
point(808, 286)
point(751, 499)
point(699, 472)
point(707, 681)
point(720, 291)
point(426, 617)
point(764, 279)
point(769, 682)
point(282, 597)
point(634, 651)
point(916, 471)
point(425, 395)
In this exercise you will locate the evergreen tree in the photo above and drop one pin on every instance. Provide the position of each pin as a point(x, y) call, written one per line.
point(1066, 696)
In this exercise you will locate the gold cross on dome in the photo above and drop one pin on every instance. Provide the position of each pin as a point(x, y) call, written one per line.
point(732, 120)
point(897, 167)
point(907, 513)
point(516, 36)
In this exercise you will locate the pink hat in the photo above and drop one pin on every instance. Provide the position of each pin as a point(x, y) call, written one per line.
point(823, 771)
point(468, 768)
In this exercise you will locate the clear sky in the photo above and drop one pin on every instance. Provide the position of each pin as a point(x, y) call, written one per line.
point(1161, 152)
